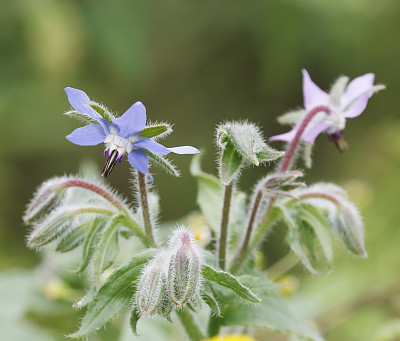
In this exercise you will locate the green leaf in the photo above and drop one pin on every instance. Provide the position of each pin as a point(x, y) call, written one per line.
point(230, 163)
point(308, 230)
point(229, 281)
point(272, 313)
point(102, 111)
point(155, 130)
point(314, 218)
point(91, 240)
point(107, 247)
point(85, 118)
point(133, 320)
point(209, 299)
point(116, 293)
point(74, 239)
point(164, 163)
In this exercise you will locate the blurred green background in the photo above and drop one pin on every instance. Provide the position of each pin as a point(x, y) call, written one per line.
point(195, 64)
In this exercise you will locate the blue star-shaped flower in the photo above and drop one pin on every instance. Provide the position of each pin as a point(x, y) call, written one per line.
point(121, 135)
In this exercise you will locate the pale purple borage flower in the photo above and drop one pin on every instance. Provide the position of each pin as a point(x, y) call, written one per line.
point(121, 136)
point(345, 100)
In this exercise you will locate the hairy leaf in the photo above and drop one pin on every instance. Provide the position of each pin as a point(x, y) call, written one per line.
point(229, 281)
point(107, 247)
point(91, 240)
point(115, 294)
point(74, 239)
point(272, 313)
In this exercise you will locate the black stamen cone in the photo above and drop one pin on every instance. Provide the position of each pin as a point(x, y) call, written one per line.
point(110, 163)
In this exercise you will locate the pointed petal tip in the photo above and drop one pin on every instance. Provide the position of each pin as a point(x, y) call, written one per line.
point(184, 150)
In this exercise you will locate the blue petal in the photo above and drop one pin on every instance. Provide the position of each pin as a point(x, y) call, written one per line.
point(184, 150)
point(87, 136)
point(133, 121)
point(152, 146)
point(139, 160)
point(78, 99)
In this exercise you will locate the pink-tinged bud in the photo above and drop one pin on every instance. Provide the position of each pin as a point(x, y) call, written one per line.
point(184, 270)
point(46, 197)
point(151, 290)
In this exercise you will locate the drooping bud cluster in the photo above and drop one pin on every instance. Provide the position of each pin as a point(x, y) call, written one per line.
point(172, 279)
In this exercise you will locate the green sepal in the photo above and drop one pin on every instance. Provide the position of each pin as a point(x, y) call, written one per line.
point(102, 111)
point(74, 239)
point(155, 130)
point(230, 163)
point(210, 300)
point(133, 320)
point(164, 163)
point(84, 118)
point(229, 281)
point(115, 294)
point(247, 139)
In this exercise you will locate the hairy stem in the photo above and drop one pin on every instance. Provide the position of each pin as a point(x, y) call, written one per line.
point(285, 165)
point(190, 325)
point(144, 203)
point(250, 225)
point(259, 233)
point(290, 152)
point(96, 189)
point(224, 226)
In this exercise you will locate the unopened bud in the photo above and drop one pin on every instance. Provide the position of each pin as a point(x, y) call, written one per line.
point(150, 293)
point(184, 267)
point(46, 197)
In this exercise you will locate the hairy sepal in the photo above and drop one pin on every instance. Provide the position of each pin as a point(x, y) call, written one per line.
point(247, 140)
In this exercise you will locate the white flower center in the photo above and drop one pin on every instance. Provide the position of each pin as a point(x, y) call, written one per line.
point(336, 121)
point(122, 145)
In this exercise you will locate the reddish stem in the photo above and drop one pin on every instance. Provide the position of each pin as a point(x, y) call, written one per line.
point(94, 188)
point(294, 143)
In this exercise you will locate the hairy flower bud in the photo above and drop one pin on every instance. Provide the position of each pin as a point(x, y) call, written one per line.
point(151, 290)
point(46, 197)
point(184, 270)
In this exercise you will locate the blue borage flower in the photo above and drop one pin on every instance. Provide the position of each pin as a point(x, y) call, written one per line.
point(121, 135)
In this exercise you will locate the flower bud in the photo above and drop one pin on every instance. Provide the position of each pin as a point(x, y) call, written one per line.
point(46, 197)
point(184, 270)
point(150, 293)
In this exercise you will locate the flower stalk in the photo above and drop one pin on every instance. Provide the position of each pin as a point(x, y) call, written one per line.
point(287, 159)
point(224, 226)
point(191, 327)
point(144, 203)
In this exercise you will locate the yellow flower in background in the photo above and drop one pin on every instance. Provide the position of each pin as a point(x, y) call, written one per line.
point(199, 227)
point(290, 284)
point(231, 338)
